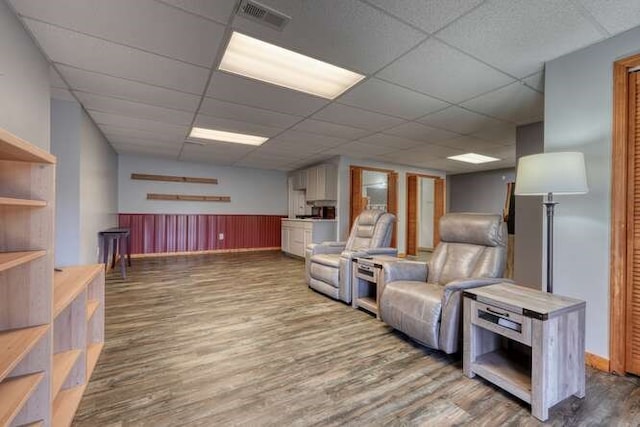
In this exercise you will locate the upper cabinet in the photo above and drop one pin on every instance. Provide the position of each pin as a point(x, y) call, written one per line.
point(300, 180)
point(321, 183)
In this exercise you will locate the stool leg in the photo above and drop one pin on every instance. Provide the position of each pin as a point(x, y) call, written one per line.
point(114, 248)
point(129, 248)
point(123, 261)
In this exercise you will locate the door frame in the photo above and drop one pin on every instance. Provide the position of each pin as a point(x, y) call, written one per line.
point(618, 271)
point(412, 214)
point(355, 182)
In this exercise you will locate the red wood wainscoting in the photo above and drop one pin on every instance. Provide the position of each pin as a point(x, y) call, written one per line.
point(162, 233)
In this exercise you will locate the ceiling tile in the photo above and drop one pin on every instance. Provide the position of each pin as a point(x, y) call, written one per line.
point(516, 103)
point(388, 141)
point(55, 80)
point(174, 136)
point(519, 36)
point(310, 139)
point(433, 151)
point(232, 88)
point(121, 140)
point(102, 84)
point(438, 70)
point(89, 53)
point(387, 98)
point(469, 144)
point(504, 133)
point(135, 123)
point(355, 117)
point(221, 154)
point(615, 15)
point(536, 81)
point(348, 34)
point(258, 160)
point(330, 129)
point(420, 132)
point(165, 152)
point(229, 125)
point(106, 104)
point(429, 15)
point(358, 150)
point(144, 24)
point(218, 10)
point(228, 110)
point(60, 93)
point(459, 120)
point(285, 150)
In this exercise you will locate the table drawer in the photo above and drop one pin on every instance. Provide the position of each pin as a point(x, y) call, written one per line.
point(367, 272)
point(501, 321)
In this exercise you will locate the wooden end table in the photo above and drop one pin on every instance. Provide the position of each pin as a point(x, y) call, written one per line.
point(368, 274)
point(527, 342)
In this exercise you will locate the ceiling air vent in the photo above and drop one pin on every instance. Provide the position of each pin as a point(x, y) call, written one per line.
point(263, 14)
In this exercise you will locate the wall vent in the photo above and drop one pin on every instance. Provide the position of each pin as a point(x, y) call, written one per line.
point(258, 12)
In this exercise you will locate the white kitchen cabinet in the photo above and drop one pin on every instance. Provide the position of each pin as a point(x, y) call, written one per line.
point(298, 233)
point(300, 180)
point(321, 183)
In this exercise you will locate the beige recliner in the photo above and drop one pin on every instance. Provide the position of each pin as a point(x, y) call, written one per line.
point(425, 300)
point(328, 265)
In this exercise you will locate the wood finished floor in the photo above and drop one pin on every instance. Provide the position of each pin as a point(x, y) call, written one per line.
point(239, 340)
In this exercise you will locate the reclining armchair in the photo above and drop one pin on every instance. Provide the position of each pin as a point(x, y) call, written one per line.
point(328, 265)
point(424, 301)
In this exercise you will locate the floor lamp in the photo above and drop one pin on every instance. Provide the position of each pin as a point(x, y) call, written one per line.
point(550, 174)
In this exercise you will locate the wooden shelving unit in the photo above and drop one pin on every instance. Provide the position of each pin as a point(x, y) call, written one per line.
point(51, 334)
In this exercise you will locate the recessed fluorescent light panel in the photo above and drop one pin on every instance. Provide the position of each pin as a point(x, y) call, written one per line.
point(218, 135)
point(263, 61)
point(473, 158)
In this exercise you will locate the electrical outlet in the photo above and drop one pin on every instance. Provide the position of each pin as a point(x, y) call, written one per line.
point(221, 236)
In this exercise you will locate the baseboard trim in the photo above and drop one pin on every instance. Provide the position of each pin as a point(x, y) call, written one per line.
point(213, 251)
point(597, 362)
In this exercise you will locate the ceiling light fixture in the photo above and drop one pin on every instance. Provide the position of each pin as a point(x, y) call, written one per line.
point(256, 59)
point(219, 135)
point(473, 158)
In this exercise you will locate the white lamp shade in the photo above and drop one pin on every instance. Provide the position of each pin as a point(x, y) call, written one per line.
point(557, 173)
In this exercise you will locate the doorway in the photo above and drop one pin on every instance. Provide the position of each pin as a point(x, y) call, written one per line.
point(624, 279)
point(373, 188)
point(425, 207)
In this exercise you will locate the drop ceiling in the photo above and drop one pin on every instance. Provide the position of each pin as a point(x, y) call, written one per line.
point(443, 77)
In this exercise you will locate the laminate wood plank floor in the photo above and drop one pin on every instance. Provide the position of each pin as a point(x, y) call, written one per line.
point(239, 340)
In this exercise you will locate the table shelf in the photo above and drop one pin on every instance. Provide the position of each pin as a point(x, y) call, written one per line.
point(10, 201)
point(14, 259)
point(92, 306)
point(16, 344)
point(507, 370)
point(65, 405)
point(62, 365)
point(69, 282)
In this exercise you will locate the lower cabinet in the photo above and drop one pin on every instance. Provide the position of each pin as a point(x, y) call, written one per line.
point(298, 233)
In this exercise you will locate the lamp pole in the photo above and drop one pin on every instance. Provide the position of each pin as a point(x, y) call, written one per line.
point(550, 205)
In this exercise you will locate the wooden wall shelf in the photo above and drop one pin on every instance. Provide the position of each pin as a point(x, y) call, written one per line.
point(188, 198)
point(170, 178)
point(45, 334)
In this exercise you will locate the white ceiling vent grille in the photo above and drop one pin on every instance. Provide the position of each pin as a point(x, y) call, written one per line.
point(263, 14)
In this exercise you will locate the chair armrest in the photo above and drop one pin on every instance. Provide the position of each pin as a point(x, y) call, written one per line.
point(324, 248)
point(378, 251)
point(462, 284)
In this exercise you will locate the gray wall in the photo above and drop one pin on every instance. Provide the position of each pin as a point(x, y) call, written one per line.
point(578, 117)
point(483, 192)
point(252, 191)
point(24, 83)
point(65, 122)
point(527, 265)
point(86, 183)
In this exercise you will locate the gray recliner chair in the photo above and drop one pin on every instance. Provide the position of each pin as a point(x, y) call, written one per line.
point(425, 300)
point(328, 265)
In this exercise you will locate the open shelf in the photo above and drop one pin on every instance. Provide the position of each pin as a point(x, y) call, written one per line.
point(9, 201)
point(368, 303)
point(69, 282)
point(13, 259)
point(93, 353)
point(65, 405)
point(92, 306)
point(34, 424)
point(507, 370)
point(16, 392)
point(16, 344)
point(62, 365)
point(15, 148)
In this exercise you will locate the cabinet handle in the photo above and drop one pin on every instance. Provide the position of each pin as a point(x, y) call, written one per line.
point(497, 312)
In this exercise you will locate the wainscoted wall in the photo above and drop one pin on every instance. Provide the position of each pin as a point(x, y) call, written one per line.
point(166, 233)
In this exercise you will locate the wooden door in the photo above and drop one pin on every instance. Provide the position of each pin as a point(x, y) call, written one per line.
point(356, 194)
point(633, 231)
point(438, 208)
point(412, 214)
point(392, 203)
